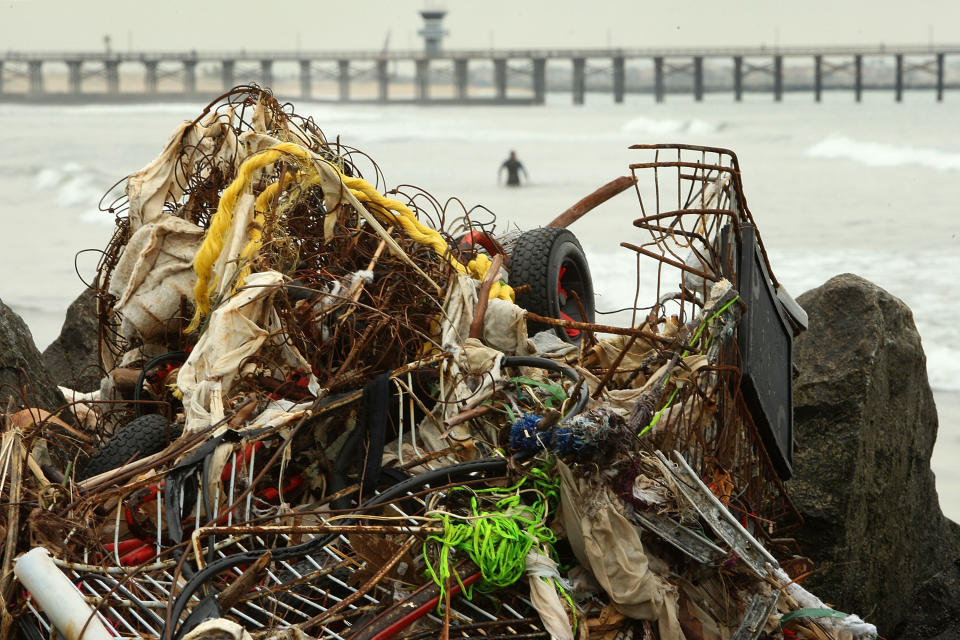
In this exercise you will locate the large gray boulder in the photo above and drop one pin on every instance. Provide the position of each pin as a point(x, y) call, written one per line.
point(22, 375)
point(72, 359)
point(934, 611)
point(865, 424)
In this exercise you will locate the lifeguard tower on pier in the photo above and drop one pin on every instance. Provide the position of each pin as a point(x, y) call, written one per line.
point(432, 31)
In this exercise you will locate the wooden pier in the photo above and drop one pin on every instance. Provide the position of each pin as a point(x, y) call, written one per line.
point(513, 76)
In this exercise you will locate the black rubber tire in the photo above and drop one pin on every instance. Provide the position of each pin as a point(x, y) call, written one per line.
point(143, 436)
point(537, 259)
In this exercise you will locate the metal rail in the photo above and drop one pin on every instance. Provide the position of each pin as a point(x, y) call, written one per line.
point(454, 54)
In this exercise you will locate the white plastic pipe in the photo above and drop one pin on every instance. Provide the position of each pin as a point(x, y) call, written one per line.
point(56, 595)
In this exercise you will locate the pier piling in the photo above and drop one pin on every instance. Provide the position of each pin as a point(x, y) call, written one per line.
point(738, 78)
point(539, 80)
point(75, 75)
point(778, 78)
point(383, 80)
point(500, 77)
point(619, 79)
point(151, 81)
point(112, 71)
point(306, 79)
point(899, 78)
point(343, 77)
point(423, 79)
point(698, 78)
point(35, 70)
point(189, 76)
point(658, 78)
point(817, 77)
point(858, 76)
point(939, 77)
point(227, 68)
point(461, 77)
point(579, 80)
point(266, 73)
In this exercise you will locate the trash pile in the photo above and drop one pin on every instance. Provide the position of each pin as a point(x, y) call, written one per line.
point(332, 410)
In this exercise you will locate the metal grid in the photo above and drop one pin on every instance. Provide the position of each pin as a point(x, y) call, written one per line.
point(693, 208)
point(132, 601)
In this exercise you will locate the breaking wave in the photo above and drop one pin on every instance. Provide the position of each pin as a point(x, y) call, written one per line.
point(664, 127)
point(875, 154)
point(73, 186)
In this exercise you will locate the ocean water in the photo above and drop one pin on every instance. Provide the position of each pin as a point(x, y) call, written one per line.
point(835, 187)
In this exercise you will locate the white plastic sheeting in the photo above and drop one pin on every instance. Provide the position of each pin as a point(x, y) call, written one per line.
point(237, 329)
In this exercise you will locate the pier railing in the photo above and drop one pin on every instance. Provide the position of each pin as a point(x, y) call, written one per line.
point(477, 75)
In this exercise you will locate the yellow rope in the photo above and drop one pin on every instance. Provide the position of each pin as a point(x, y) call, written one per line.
point(216, 235)
point(389, 209)
point(256, 228)
point(397, 212)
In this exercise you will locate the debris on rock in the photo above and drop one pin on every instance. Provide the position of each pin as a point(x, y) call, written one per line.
point(323, 414)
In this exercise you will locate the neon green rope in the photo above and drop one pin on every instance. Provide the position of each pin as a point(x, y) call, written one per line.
point(499, 539)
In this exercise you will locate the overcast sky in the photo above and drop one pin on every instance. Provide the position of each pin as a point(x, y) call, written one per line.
point(365, 24)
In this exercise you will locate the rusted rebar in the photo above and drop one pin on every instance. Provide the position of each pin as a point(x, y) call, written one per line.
point(592, 201)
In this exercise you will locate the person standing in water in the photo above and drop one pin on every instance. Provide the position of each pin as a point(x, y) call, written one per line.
point(514, 167)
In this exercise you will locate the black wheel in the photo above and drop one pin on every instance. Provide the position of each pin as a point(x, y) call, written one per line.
point(142, 437)
point(552, 262)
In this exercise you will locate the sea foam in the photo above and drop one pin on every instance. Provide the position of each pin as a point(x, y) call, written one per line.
point(875, 154)
point(653, 126)
point(73, 186)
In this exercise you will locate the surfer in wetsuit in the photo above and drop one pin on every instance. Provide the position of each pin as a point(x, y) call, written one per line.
point(513, 167)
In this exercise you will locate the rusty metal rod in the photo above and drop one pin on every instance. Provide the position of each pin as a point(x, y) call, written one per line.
point(673, 263)
point(246, 582)
point(590, 202)
point(363, 589)
point(613, 367)
point(597, 328)
point(493, 273)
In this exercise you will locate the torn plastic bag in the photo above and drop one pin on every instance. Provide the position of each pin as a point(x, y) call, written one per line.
point(154, 274)
point(542, 572)
point(505, 328)
point(218, 629)
point(603, 540)
point(212, 141)
point(237, 329)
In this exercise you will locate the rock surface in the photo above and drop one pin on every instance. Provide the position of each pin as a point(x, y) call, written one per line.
point(934, 612)
point(865, 426)
point(72, 358)
point(22, 375)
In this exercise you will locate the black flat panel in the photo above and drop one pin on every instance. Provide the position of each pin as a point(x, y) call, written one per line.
point(766, 344)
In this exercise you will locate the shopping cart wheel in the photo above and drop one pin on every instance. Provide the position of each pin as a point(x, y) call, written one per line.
point(551, 261)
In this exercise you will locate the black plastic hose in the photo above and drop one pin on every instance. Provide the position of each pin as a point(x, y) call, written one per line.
point(553, 365)
point(151, 363)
